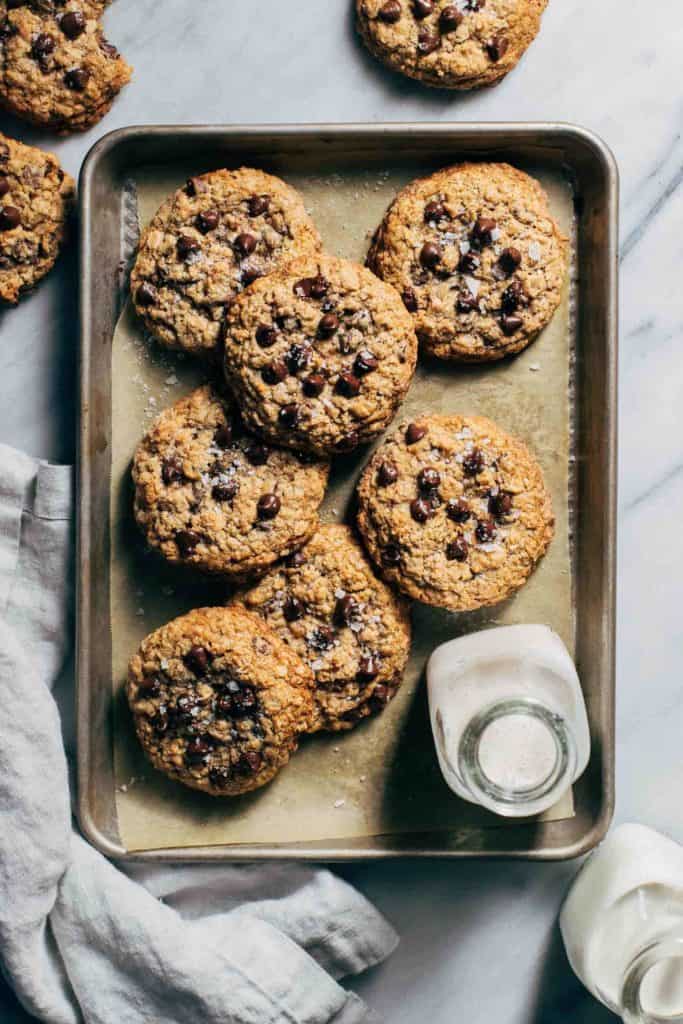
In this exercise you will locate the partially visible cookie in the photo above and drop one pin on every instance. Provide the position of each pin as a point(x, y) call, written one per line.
point(207, 243)
point(36, 198)
point(455, 511)
point(209, 495)
point(451, 44)
point(57, 70)
point(477, 257)
point(354, 634)
point(319, 354)
point(219, 701)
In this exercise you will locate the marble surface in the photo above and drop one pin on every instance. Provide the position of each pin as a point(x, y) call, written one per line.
point(479, 941)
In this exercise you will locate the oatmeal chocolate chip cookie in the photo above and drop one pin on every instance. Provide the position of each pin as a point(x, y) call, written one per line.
point(210, 496)
point(319, 354)
point(451, 44)
point(36, 198)
point(207, 243)
point(56, 68)
point(477, 257)
point(219, 701)
point(351, 630)
point(454, 511)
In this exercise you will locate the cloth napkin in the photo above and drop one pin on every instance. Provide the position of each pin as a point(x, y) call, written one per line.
point(82, 941)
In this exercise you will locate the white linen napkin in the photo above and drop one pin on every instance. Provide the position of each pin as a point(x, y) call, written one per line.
point(82, 941)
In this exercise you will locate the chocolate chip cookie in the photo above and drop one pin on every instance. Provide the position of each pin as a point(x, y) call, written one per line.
point(219, 701)
point(451, 44)
point(207, 243)
point(477, 257)
point(57, 70)
point(455, 511)
point(36, 198)
point(319, 354)
point(345, 624)
point(209, 495)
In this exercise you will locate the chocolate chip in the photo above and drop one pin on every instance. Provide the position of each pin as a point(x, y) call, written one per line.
point(295, 560)
point(224, 435)
point(187, 246)
point(266, 335)
point(108, 50)
point(258, 205)
point(430, 255)
point(207, 221)
point(457, 550)
point(458, 510)
point(391, 555)
point(435, 211)
point(243, 701)
point(4, 186)
point(245, 244)
point(225, 491)
point(485, 531)
point(328, 325)
point(146, 294)
point(10, 218)
point(311, 287)
point(497, 47)
point(428, 479)
point(320, 639)
point(510, 325)
point(195, 186)
point(513, 297)
point(410, 300)
point(347, 384)
point(172, 469)
point(415, 433)
point(482, 231)
point(469, 263)
point(220, 777)
point(77, 79)
point(160, 722)
point(42, 46)
point(249, 763)
point(187, 541)
point(299, 358)
point(293, 609)
point(197, 660)
point(268, 506)
point(250, 274)
point(421, 510)
point(257, 454)
point(427, 42)
point(390, 12)
point(509, 260)
point(381, 696)
point(314, 385)
point(450, 18)
point(72, 24)
point(387, 474)
point(466, 303)
point(422, 8)
point(197, 750)
point(288, 416)
point(149, 685)
point(500, 504)
point(368, 669)
point(347, 611)
point(274, 372)
point(7, 29)
point(473, 462)
point(364, 363)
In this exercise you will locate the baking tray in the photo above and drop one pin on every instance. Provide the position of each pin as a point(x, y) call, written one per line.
point(319, 150)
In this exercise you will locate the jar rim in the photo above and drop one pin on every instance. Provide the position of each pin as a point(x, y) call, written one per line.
point(656, 953)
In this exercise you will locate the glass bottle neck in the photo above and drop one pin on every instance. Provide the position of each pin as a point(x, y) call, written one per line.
point(653, 983)
point(517, 757)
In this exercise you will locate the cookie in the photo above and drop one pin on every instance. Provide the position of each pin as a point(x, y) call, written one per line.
point(455, 511)
point(57, 70)
point(451, 44)
point(36, 198)
point(319, 354)
point(477, 257)
point(219, 701)
point(207, 243)
point(327, 603)
point(210, 496)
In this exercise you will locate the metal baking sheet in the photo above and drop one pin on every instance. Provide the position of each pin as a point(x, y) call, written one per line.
point(347, 175)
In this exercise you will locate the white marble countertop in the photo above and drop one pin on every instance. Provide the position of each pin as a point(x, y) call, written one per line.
point(479, 941)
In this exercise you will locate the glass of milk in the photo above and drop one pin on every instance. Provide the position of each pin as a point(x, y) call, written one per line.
point(622, 925)
point(509, 718)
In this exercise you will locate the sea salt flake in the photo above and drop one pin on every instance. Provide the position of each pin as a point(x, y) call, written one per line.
point(473, 286)
point(535, 367)
point(339, 803)
point(534, 251)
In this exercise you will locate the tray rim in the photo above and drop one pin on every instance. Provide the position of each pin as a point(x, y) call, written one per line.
point(479, 131)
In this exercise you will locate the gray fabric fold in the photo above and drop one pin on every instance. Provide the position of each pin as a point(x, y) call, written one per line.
point(82, 941)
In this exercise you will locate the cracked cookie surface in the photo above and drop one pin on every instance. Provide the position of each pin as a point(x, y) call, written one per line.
point(218, 700)
point(209, 242)
point(319, 354)
point(348, 626)
point(451, 44)
point(57, 70)
point(477, 257)
point(36, 199)
point(211, 496)
point(454, 511)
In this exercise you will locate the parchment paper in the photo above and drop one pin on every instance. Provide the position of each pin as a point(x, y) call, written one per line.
point(383, 777)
